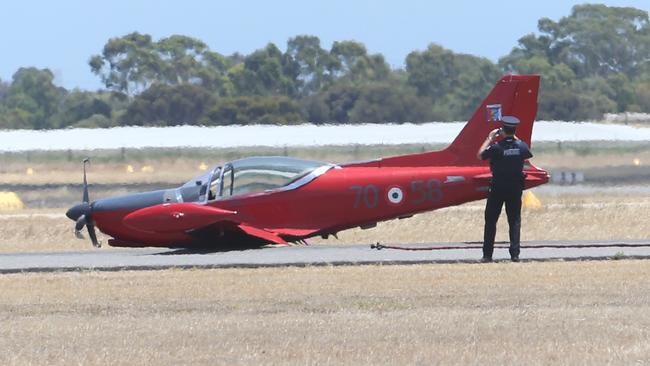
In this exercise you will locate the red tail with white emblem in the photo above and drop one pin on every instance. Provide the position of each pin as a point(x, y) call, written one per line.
point(513, 95)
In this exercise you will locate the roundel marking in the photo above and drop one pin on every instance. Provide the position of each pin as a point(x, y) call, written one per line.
point(395, 195)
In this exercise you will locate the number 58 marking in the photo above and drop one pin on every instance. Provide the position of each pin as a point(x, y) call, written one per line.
point(428, 191)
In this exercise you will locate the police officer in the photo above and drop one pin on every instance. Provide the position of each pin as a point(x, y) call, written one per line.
point(506, 163)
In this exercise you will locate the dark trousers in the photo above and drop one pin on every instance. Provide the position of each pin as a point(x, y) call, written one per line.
point(495, 202)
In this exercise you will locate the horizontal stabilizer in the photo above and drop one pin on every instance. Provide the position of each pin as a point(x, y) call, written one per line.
point(483, 178)
point(534, 177)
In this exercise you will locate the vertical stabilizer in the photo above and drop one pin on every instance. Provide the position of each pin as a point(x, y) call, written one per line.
point(513, 95)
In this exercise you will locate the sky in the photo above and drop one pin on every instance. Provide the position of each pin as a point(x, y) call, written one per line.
point(62, 35)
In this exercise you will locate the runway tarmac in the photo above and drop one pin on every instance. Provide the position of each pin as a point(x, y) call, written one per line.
point(318, 255)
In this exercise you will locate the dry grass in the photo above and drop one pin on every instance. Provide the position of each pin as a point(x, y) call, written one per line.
point(504, 313)
point(164, 170)
point(602, 216)
point(570, 160)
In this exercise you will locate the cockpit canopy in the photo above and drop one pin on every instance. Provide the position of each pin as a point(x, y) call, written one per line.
point(254, 175)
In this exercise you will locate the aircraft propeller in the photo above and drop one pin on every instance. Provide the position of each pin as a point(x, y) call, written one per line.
point(82, 214)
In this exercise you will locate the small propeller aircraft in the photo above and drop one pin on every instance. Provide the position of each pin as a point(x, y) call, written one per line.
point(265, 200)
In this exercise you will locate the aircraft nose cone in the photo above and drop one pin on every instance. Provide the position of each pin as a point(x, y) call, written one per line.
point(75, 212)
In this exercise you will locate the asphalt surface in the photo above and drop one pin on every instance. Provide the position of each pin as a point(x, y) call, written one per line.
point(155, 259)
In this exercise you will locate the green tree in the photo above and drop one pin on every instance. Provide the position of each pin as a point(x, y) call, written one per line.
point(350, 61)
point(554, 76)
point(168, 105)
point(454, 83)
point(81, 105)
point(572, 106)
point(384, 102)
point(132, 63)
point(214, 73)
point(332, 105)
point(181, 57)
point(4, 90)
point(266, 72)
point(594, 40)
point(188, 60)
point(431, 72)
point(32, 99)
point(642, 97)
point(588, 59)
point(622, 91)
point(128, 64)
point(245, 110)
point(314, 63)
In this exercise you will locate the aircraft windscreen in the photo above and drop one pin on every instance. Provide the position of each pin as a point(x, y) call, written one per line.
point(200, 180)
point(195, 189)
point(259, 174)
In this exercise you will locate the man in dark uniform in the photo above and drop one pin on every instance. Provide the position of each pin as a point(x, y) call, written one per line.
point(506, 163)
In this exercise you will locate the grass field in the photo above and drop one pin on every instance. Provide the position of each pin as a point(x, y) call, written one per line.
point(576, 313)
point(503, 313)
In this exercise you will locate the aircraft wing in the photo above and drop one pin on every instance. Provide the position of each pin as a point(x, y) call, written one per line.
point(262, 234)
point(173, 217)
point(202, 220)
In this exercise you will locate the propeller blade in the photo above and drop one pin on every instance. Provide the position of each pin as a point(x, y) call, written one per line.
point(93, 235)
point(82, 212)
point(86, 199)
point(81, 222)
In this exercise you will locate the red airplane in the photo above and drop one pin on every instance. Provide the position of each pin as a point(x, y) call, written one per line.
point(263, 200)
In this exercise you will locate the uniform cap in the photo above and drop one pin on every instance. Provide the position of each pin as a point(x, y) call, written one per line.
point(511, 121)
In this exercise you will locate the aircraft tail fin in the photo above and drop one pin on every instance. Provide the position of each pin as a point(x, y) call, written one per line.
point(513, 95)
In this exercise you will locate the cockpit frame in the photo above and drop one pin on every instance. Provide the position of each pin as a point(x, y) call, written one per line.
point(295, 172)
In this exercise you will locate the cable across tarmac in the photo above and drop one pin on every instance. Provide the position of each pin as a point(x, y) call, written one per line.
point(316, 255)
point(380, 246)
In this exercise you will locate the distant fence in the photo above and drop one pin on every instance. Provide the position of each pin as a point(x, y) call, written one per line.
point(567, 177)
point(627, 117)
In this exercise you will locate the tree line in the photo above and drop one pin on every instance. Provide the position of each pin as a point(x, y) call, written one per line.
point(595, 60)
